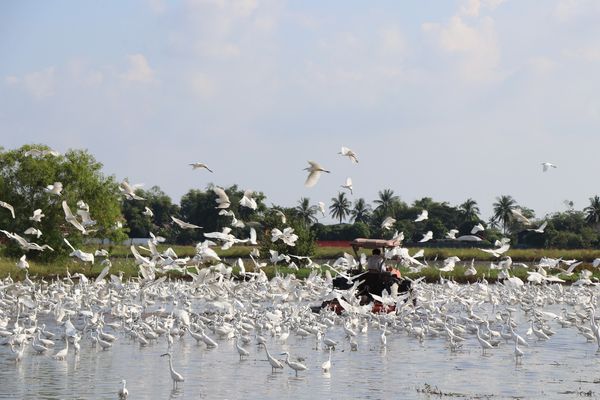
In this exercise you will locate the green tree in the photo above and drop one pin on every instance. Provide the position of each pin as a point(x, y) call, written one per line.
point(139, 224)
point(469, 210)
point(503, 210)
point(306, 213)
point(23, 179)
point(361, 212)
point(386, 202)
point(340, 206)
point(592, 212)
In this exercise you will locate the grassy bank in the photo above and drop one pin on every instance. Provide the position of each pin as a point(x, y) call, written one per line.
point(122, 260)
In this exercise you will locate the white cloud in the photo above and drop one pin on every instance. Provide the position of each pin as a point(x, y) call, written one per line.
point(566, 10)
point(40, 84)
point(139, 70)
point(11, 80)
point(477, 43)
point(202, 85)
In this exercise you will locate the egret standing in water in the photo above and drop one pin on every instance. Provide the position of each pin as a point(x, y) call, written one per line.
point(296, 366)
point(175, 376)
point(123, 392)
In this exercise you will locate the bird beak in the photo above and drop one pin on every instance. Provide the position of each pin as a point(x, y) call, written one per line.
point(166, 354)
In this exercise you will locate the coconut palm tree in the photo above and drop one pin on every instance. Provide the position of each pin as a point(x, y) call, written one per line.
point(386, 201)
point(503, 210)
point(469, 209)
point(306, 213)
point(340, 207)
point(592, 212)
point(361, 211)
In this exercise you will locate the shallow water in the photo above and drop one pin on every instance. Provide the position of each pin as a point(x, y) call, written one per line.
point(566, 366)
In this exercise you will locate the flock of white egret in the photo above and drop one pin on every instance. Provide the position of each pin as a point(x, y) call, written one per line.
point(253, 315)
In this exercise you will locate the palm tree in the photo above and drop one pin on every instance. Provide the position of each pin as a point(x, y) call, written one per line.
point(592, 212)
point(306, 213)
point(386, 201)
point(469, 209)
point(503, 210)
point(340, 207)
point(361, 211)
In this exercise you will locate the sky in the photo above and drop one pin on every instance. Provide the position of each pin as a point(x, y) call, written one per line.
point(449, 99)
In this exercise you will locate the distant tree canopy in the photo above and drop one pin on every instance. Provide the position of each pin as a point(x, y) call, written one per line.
point(23, 180)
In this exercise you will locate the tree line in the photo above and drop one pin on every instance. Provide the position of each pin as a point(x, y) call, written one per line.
point(25, 175)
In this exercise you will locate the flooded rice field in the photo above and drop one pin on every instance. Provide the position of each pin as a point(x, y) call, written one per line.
point(460, 341)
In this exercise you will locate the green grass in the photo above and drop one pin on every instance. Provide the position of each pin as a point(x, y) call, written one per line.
point(123, 261)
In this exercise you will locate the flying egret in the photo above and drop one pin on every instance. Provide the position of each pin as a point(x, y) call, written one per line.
point(23, 264)
point(348, 185)
point(183, 224)
point(423, 216)
point(387, 223)
point(37, 215)
point(222, 199)
point(314, 170)
point(148, 212)
point(477, 228)
point(70, 218)
point(346, 152)
point(547, 165)
point(517, 213)
point(321, 207)
point(128, 190)
point(427, 237)
point(248, 201)
point(33, 231)
point(451, 234)
point(540, 229)
point(8, 207)
point(175, 376)
point(54, 189)
point(198, 165)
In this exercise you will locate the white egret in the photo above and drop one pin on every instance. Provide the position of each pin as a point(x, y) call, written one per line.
point(128, 191)
point(183, 224)
point(62, 354)
point(326, 366)
point(123, 392)
point(33, 231)
point(54, 189)
point(348, 185)
point(539, 229)
point(8, 207)
point(248, 201)
point(222, 199)
point(423, 216)
point(37, 215)
point(321, 206)
point(296, 366)
point(23, 264)
point(426, 237)
point(199, 165)
point(275, 363)
point(240, 350)
point(175, 376)
point(314, 170)
point(387, 223)
point(547, 165)
point(477, 228)
point(346, 152)
point(70, 218)
point(451, 234)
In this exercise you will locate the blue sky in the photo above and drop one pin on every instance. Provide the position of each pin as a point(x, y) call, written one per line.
point(450, 100)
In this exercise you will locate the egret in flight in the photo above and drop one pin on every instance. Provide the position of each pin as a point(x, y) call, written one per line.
point(314, 170)
point(547, 165)
point(346, 152)
point(198, 165)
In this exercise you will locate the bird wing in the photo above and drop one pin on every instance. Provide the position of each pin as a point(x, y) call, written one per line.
point(312, 178)
point(8, 207)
